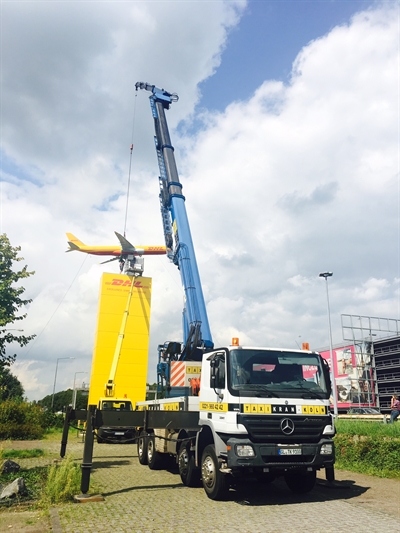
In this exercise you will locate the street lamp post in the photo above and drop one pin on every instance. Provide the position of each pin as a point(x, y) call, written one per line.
point(55, 379)
point(74, 392)
point(327, 275)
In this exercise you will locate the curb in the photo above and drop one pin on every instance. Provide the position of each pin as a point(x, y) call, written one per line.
point(55, 521)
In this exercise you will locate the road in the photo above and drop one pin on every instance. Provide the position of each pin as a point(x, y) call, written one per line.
point(139, 500)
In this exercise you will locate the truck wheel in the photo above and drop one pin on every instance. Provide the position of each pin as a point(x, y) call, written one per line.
point(154, 458)
point(214, 482)
point(142, 449)
point(301, 482)
point(190, 475)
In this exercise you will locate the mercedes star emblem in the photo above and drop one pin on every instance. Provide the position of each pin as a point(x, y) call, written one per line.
point(287, 426)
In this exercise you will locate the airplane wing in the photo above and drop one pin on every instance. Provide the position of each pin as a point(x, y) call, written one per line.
point(126, 246)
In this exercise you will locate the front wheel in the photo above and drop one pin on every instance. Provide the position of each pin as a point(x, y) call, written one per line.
point(301, 482)
point(214, 481)
point(190, 475)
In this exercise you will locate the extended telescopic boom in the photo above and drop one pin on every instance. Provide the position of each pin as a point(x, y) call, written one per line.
point(178, 239)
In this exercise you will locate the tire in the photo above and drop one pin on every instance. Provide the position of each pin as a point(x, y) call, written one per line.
point(154, 458)
point(214, 482)
point(301, 482)
point(99, 440)
point(142, 449)
point(190, 475)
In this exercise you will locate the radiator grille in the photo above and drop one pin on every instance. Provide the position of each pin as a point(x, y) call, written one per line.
point(268, 428)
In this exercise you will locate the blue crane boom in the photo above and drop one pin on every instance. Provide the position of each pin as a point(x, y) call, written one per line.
point(180, 250)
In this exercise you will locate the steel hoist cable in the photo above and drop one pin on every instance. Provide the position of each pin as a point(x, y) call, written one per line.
point(130, 165)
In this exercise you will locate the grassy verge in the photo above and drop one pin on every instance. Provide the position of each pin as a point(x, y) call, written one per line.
point(46, 485)
point(21, 454)
point(368, 447)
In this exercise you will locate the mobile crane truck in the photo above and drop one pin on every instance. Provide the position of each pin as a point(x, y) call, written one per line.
point(256, 412)
point(230, 412)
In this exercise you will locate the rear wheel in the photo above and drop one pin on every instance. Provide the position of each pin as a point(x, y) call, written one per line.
point(190, 475)
point(142, 449)
point(154, 458)
point(301, 482)
point(214, 481)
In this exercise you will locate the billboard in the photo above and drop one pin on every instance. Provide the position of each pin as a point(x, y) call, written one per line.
point(352, 368)
point(122, 337)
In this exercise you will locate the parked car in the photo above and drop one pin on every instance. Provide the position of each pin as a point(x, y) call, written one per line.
point(363, 411)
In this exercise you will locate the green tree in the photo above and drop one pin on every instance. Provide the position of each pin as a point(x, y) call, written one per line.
point(10, 386)
point(11, 299)
point(62, 399)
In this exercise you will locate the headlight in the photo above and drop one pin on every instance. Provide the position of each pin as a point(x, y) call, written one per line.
point(244, 450)
point(326, 449)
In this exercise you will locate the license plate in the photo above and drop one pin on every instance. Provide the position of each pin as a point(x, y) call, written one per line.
point(119, 433)
point(289, 451)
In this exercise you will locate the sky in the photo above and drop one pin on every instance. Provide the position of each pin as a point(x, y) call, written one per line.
point(286, 137)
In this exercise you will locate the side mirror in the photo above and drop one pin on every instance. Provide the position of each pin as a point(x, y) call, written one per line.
point(213, 373)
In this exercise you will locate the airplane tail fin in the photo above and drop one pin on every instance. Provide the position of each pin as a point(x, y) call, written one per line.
point(74, 243)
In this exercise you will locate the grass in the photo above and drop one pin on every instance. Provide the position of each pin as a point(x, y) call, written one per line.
point(35, 481)
point(46, 485)
point(63, 482)
point(368, 447)
point(367, 428)
point(21, 454)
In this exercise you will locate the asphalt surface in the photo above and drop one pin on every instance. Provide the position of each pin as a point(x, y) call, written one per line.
point(139, 500)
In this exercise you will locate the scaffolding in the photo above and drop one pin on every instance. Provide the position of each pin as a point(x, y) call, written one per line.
point(375, 376)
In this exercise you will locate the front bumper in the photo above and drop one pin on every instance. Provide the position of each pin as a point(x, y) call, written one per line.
point(269, 457)
point(115, 434)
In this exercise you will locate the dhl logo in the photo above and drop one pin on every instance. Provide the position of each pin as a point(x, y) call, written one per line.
point(127, 283)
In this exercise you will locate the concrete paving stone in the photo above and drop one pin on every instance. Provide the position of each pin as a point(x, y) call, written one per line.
point(139, 500)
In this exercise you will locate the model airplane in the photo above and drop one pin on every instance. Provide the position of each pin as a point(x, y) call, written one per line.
point(118, 252)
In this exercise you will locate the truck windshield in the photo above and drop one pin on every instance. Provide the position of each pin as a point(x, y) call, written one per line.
point(111, 405)
point(274, 373)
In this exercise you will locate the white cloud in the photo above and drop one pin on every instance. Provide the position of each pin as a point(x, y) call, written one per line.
point(298, 179)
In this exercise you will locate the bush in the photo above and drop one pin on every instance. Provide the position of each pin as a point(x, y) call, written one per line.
point(368, 454)
point(21, 420)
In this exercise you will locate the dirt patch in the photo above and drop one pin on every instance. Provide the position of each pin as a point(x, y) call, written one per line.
point(23, 521)
point(375, 492)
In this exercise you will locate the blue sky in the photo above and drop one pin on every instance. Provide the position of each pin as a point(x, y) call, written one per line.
point(286, 173)
point(266, 42)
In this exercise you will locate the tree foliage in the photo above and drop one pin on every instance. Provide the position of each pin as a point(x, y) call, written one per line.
point(10, 386)
point(11, 300)
point(64, 398)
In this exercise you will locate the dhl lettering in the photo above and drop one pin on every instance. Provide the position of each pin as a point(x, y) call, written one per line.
point(127, 283)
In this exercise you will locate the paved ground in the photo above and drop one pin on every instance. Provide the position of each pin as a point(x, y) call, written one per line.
point(138, 500)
